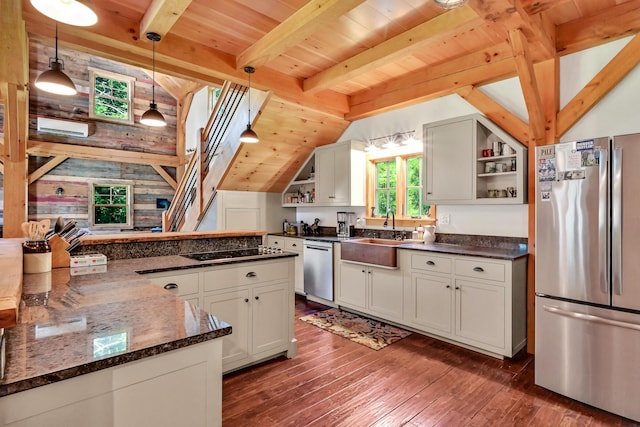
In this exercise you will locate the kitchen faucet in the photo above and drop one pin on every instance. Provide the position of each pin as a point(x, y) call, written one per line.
point(393, 222)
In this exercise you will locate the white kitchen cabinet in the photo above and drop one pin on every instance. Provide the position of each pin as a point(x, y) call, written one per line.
point(182, 387)
point(257, 300)
point(340, 174)
point(292, 244)
point(458, 172)
point(371, 290)
point(473, 301)
point(185, 285)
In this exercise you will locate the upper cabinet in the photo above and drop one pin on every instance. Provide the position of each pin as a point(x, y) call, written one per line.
point(470, 160)
point(334, 175)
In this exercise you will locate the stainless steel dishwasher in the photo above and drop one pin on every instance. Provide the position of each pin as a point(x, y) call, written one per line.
point(318, 269)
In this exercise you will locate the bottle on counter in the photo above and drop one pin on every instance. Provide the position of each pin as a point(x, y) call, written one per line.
point(420, 232)
point(285, 226)
point(414, 234)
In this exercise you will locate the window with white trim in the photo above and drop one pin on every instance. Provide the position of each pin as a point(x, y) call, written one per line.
point(111, 205)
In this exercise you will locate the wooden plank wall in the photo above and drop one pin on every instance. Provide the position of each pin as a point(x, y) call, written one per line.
point(73, 175)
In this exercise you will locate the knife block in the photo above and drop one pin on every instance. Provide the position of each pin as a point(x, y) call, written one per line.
point(59, 255)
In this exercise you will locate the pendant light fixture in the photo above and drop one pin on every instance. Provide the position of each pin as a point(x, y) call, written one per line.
point(449, 4)
point(73, 12)
point(249, 135)
point(153, 117)
point(54, 80)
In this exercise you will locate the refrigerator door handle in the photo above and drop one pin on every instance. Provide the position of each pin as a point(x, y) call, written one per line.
point(603, 223)
point(591, 318)
point(616, 220)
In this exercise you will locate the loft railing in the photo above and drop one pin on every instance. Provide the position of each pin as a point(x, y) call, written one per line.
point(191, 198)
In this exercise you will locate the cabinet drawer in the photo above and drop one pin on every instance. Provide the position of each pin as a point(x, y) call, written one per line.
point(428, 262)
point(480, 269)
point(186, 283)
point(276, 242)
point(293, 245)
point(244, 274)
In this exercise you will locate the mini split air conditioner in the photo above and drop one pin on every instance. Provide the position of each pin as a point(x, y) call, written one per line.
point(63, 127)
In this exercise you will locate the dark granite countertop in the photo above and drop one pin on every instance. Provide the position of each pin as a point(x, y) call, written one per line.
point(73, 325)
point(479, 251)
point(508, 253)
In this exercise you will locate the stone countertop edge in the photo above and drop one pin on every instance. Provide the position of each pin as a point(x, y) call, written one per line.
point(98, 239)
point(496, 253)
point(448, 248)
point(105, 304)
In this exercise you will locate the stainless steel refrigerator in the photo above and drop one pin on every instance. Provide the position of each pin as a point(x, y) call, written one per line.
point(588, 272)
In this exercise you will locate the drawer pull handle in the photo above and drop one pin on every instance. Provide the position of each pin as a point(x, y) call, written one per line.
point(431, 263)
point(294, 245)
point(246, 300)
point(251, 274)
point(257, 298)
point(478, 269)
point(170, 286)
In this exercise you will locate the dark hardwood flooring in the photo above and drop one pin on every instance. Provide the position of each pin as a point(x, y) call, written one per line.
point(418, 381)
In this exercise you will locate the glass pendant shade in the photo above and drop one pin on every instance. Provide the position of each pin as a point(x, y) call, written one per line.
point(248, 135)
point(153, 117)
point(73, 12)
point(55, 81)
point(449, 4)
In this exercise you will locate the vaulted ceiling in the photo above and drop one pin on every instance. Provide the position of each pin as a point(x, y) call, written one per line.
point(328, 62)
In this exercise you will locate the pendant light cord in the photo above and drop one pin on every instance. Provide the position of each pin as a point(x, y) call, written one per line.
point(56, 42)
point(249, 99)
point(153, 74)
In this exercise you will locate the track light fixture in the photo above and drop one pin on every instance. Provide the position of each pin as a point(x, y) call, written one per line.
point(153, 117)
point(55, 80)
point(249, 135)
point(73, 12)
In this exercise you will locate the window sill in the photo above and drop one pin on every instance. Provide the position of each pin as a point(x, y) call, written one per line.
point(400, 222)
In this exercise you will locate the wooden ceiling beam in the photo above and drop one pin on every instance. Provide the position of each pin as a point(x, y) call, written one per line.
point(161, 15)
point(507, 15)
point(435, 30)
point(421, 86)
point(621, 64)
point(293, 30)
point(49, 149)
point(496, 113)
point(529, 84)
point(116, 37)
point(607, 25)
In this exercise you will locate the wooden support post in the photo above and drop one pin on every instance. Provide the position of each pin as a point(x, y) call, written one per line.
point(15, 97)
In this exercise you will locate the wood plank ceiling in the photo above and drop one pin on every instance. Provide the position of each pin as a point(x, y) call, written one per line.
point(328, 62)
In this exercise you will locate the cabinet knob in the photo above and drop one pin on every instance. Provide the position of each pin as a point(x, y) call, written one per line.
point(363, 271)
point(457, 288)
point(431, 263)
point(369, 272)
point(448, 286)
point(170, 286)
point(251, 274)
point(257, 298)
point(246, 300)
point(478, 269)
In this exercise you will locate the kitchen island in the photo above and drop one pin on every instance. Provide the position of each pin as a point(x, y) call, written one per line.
point(112, 348)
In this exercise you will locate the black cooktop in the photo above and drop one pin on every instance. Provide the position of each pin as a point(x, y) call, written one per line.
point(210, 256)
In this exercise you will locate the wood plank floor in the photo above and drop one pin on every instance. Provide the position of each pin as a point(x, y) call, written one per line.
point(418, 381)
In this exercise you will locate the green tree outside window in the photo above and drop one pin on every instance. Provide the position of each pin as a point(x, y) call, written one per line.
point(386, 187)
point(111, 96)
point(415, 207)
point(112, 205)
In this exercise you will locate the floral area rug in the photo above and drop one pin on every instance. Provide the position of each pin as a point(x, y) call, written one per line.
point(371, 333)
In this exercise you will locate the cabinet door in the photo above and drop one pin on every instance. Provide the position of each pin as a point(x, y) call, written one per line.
point(480, 313)
point(270, 317)
point(450, 160)
point(341, 175)
point(431, 303)
point(353, 285)
point(385, 293)
point(325, 177)
point(233, 308)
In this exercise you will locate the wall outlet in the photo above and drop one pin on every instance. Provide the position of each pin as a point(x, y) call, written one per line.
point(445, 219)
